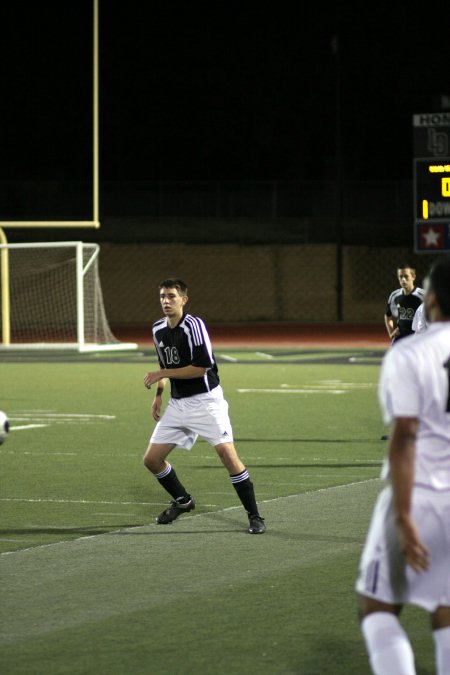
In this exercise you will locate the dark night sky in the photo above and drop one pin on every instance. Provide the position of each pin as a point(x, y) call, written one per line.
point(218, 90)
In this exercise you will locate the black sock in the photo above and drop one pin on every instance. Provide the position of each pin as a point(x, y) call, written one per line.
point(244, 488)
point(169, 480)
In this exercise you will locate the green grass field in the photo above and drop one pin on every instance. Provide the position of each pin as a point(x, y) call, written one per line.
point(91, 585)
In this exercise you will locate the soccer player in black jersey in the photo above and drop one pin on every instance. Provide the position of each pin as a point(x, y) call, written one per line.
point(196, 406)
point(402, 305)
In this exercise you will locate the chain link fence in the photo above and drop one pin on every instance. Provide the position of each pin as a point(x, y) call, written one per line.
point(249, 251)
point(231, 283)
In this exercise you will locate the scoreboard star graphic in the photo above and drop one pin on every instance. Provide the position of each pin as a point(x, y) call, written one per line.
point(432, 236)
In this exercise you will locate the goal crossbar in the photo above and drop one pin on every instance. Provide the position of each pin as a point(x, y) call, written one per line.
point(50, 223)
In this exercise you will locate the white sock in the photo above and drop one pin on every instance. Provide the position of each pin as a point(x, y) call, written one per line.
point(442, 650)
point(389, 649)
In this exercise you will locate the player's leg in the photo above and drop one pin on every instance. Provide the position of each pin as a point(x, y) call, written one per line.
point(440, 622)
point(155, 456)
point(156, 462)
point(387, 644)
point(440, 566)
point(380, 598)
point(242, 484)
point(170, 432)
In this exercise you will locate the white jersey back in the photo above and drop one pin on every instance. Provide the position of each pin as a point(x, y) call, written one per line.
point(414, 382)
point(419, 323)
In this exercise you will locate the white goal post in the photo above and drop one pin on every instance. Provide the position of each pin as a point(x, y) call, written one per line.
point(52, 298)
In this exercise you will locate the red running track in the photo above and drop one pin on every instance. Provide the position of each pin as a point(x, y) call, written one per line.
point(372, 336)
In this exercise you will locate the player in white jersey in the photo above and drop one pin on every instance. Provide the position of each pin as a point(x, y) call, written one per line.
point(420, 324)
point(196, 407)
point(406, 557)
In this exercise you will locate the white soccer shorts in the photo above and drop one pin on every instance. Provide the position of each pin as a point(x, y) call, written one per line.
point(383, 574)
point(185, 419)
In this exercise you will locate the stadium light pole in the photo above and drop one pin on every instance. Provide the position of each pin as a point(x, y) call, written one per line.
point(339, 177)
point(95, 116)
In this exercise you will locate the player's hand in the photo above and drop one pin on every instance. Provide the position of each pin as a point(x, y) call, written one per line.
point(156, 409)
point(416, 555)
point(151, 378)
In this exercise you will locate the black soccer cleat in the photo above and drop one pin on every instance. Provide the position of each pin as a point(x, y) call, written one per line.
point(174, 510)
point(256, 525)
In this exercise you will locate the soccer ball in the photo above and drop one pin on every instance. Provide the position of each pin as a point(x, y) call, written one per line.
point(4, 427)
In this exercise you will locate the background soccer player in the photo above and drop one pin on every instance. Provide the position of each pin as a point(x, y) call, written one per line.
point(197, 406)
point(402, 305)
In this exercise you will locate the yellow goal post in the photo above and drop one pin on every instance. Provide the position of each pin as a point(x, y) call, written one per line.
point(54, 298)
point(86, 277)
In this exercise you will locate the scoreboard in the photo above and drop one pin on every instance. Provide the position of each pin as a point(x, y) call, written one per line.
point(431, 173)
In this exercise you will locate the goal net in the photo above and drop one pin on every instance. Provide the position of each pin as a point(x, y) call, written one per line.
point(52, 297)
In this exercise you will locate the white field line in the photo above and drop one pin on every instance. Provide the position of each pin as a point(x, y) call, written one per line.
point(195, 515)
point(34, 411)
point(30, 414)
point(356, 359)
point(292, 391)
point(40, 418)
point(330, 384)
point(29, 426)
point(225, 357)
point(322, 387)
point(264, 355)
point(46, 454)
point(75, 501)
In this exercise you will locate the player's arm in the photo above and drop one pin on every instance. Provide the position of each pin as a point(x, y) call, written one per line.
point(184, 373)
point(391, 328)
point(402, 448)
point(157, 401)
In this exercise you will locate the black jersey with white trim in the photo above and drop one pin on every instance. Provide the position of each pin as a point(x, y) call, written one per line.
point(402, 307)
point(187, 344)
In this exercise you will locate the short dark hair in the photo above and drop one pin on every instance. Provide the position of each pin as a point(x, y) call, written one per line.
point(439, 283)
point(179, 284)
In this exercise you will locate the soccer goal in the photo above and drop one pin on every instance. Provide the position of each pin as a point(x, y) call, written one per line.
point(52, 298)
